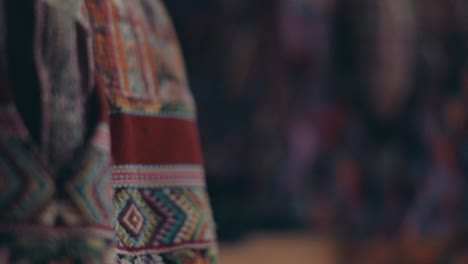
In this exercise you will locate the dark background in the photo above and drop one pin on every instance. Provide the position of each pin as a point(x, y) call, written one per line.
point(340, 116)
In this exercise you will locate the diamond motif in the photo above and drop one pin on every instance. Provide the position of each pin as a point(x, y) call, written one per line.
point(137, 222)
point(133, 220)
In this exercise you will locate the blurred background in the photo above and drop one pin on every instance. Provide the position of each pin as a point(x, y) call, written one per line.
point(334, 131)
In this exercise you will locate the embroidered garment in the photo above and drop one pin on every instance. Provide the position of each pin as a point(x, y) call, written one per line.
point(68, 155)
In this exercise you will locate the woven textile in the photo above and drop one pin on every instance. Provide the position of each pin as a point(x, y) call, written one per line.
point(113, 131)
point(160, 203)
point(56, 198)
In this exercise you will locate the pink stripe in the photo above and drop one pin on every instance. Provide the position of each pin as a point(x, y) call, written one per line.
point(158, 179)
point(159, 176)
point(191, 175)
point(160, 173)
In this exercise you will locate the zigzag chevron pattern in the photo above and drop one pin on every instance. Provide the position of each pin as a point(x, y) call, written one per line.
point(25, 184)
point(174, 215)
point(91, 189)
point(162, 218)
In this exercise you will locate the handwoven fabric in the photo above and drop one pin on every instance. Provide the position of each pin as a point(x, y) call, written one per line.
point(55, 203)
point(68, 155)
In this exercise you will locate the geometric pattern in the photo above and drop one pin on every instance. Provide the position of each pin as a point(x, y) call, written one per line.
point(136, 221)
point(132, 219)
point(139, 58)
point(192, 202)
point(52, 211)
point(161, 213)
point(161, 210)
point(28, 189)
point(174, 216)
point(163, 218)
point(9, 184)
point(26, 184)
point(148, 176)
point(90, 189)
point(207, 256)
point(27, 247)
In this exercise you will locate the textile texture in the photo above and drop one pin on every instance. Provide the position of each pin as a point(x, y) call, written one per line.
point(113, 173)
